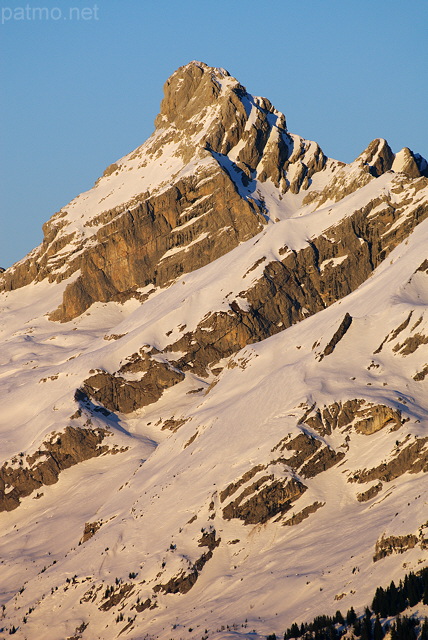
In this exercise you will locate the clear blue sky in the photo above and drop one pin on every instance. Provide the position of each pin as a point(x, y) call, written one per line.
point(81, 89)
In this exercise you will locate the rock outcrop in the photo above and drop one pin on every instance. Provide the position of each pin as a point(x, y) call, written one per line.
point(410, 164)
point(302, 283)
point(367, 418)
point(394, 544)
point(411, 458)
point(263, 500)
point(264, 495)
point(303, 514)
point(162, 237)
point(338, 335)
point(25, 474)
point(90, 530)
point(117, 393)
point(373, 162)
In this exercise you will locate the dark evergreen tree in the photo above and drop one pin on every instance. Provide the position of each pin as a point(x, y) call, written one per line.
point(366, 626)
point(293, 632)
point(392, 599)
point(394, 634)
point(332, 633)
point(351, 616)
point(404, 629)
point(414, 589)
point(357, 627)
point(338, 618)
point(378, 632)
point(409, 628)
point(380, 603)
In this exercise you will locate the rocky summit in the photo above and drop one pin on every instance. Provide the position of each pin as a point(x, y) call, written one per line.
point(214, 384)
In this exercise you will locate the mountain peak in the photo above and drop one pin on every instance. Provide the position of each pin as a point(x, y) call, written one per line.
point(413, 165)
point(205, 68)
point(191, 89)
point(378, 157)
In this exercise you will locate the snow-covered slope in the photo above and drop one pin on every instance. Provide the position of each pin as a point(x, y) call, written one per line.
point(238, 440)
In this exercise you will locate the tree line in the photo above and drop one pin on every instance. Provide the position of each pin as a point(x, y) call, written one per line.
point(388, 602)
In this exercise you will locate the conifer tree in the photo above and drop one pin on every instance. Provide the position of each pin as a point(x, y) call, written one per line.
point(366, 626)
point(378, 632)
point(351, 616)
point(338, 617)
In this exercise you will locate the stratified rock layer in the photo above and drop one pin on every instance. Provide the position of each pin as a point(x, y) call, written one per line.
point(62, 451)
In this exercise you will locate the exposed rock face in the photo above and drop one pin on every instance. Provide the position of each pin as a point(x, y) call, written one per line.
point(343, 328)
point(411, 344)
point(421, 375)
point(191, 89)
point(394, 544)
point(184, 581)
point(162, 237)
point(116, 596)
point(209, 540)
point(302, 283)
point(367, 418)
point(311, 455)
point(142, 606)
point(412, 459)
point(265, 146)
point(271, 500)
point(405, 162)
point(303, 514)
point(116, 393)
point(268, 495)
point(395, 333)
point(63, 450)
point(78, 631)
point(378, 157)
point(90, 530)
point(234, 486)
point(376, 417)
point(370, 493)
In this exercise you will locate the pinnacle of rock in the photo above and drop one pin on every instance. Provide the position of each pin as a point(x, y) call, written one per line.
point(405, 162)
point(189, 90)
point(378, 157)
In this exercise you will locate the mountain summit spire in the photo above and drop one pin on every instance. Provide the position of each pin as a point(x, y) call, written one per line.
point(191, 89)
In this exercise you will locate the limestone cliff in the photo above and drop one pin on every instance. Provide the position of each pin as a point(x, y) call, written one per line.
point(26, 473)
point(190, 199)
point(190, 194)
